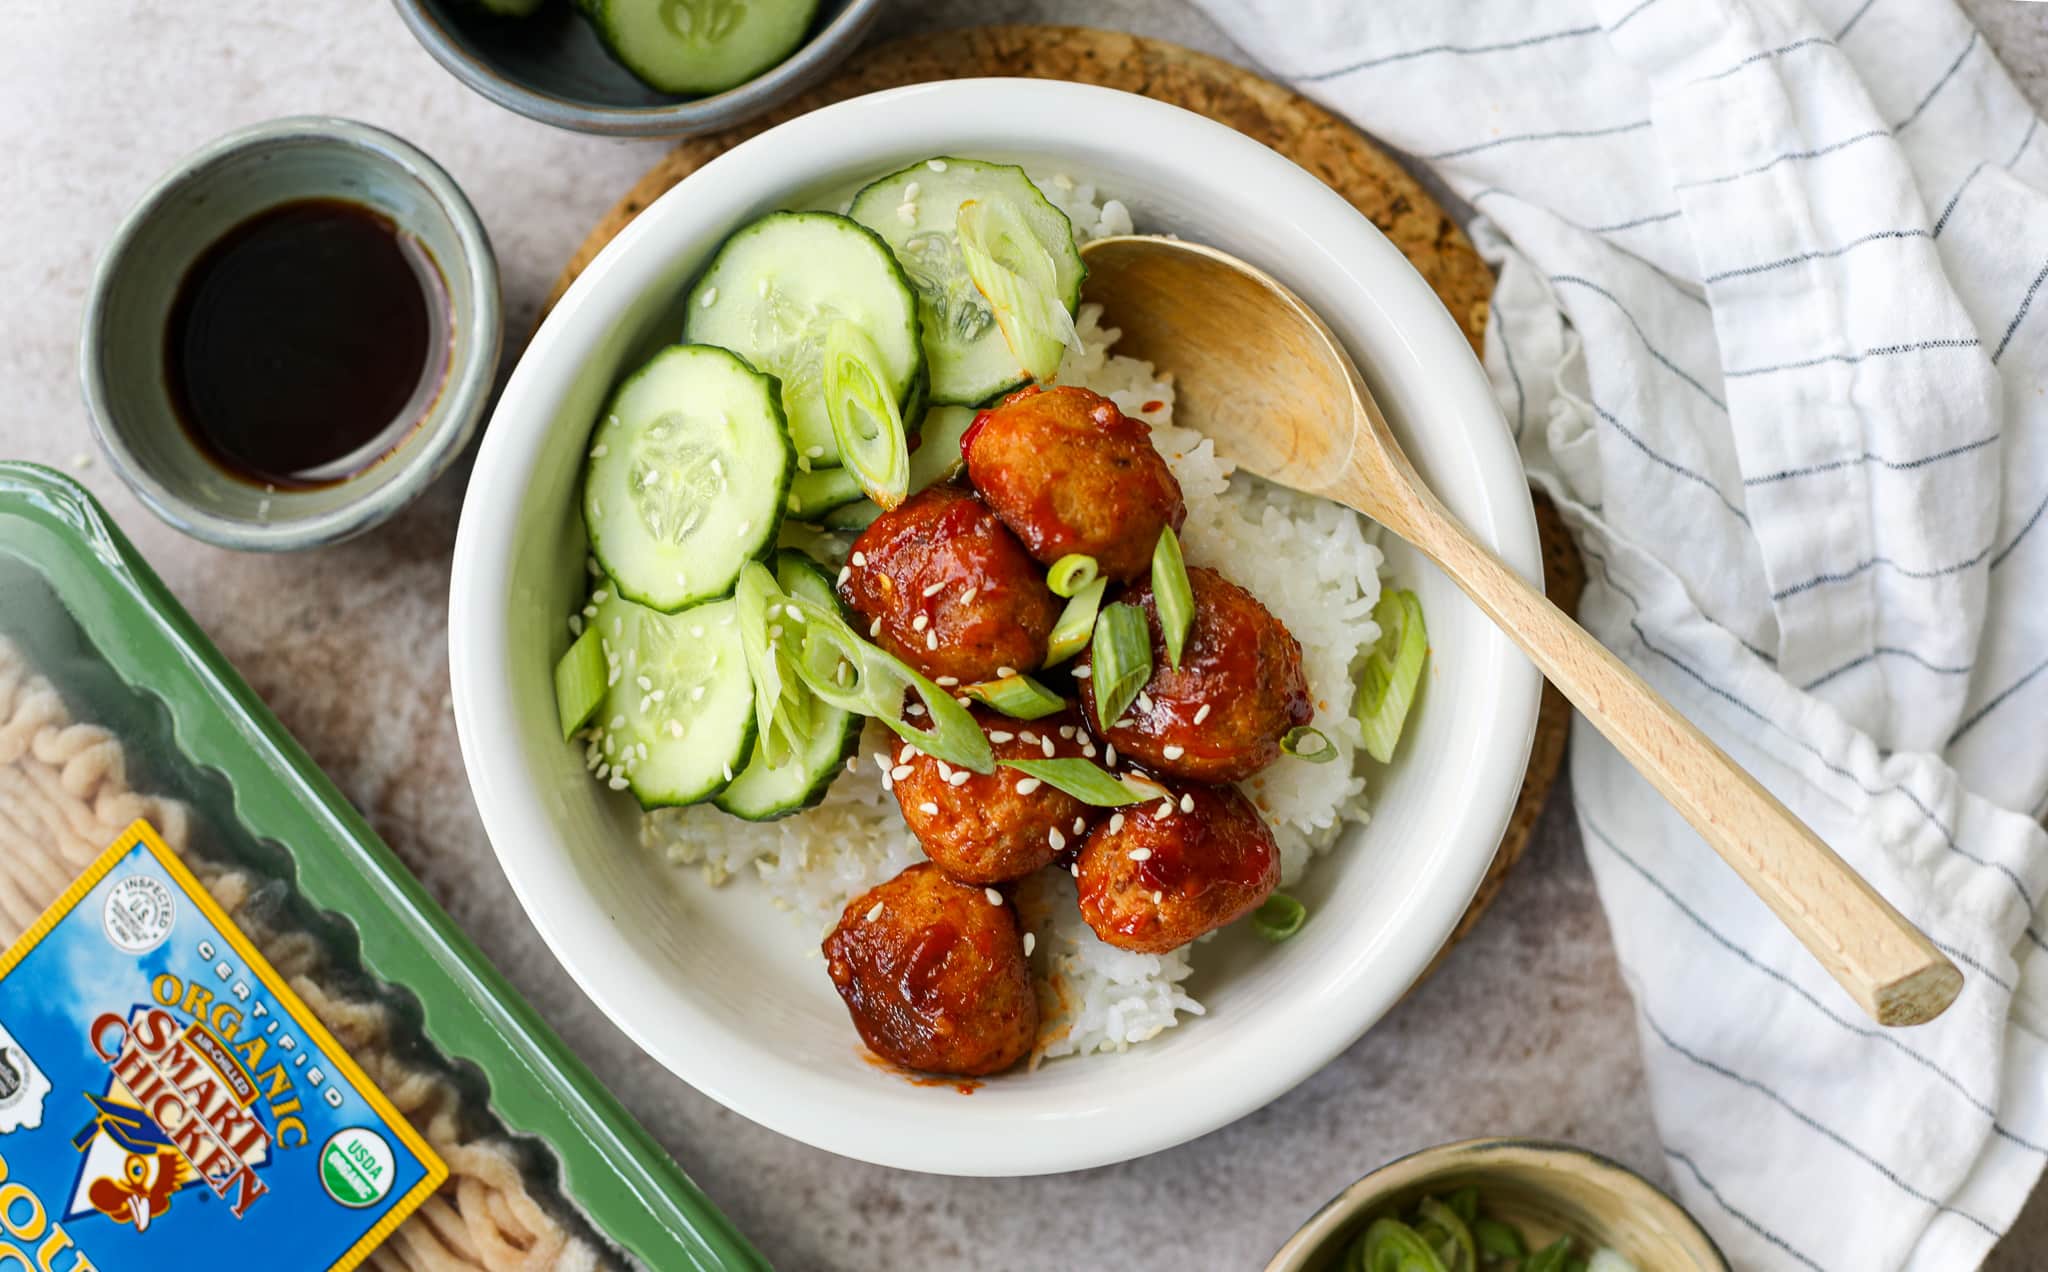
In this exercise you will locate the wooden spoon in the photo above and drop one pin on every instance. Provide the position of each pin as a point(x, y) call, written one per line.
point(1257, 371)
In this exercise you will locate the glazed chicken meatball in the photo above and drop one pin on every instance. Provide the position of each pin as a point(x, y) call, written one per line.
point(933, 974)
point(941, 584)
point(1220, 715)
point(1068, 472)
point(1156, 876)
point(986, 828)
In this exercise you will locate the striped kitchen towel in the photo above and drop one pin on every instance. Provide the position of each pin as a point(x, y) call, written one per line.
point(1771, 328)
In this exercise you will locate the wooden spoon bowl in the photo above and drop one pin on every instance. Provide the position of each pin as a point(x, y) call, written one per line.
point(1258, 372)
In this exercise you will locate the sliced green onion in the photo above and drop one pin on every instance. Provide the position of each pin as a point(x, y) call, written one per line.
point(580, 682)
point(1279, 917)
point(1464, 1203)
point(845, 671)
point(1439, 1225)
point(1121, 658)
point(1495, 1239)
point(1071, 573)
point(1172, 594)
point(1019, 697)
point(782, 705)
point(865, 421)
point(1305, 743)
point(1387, 681)
point(1016, 275)
point(1551, 1258)
point(1392, 1246)
point(1086, 781)
point(1077, 622)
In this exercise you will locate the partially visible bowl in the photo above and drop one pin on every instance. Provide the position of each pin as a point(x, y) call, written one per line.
point(726, 990)
point(551, 67)
point(1546, 1189)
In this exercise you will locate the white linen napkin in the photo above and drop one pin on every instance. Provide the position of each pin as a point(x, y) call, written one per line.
point(1772, 329)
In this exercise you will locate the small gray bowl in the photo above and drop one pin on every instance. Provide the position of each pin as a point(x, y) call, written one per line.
point(121, 355)
point(551, 67)
point(1545, 1188)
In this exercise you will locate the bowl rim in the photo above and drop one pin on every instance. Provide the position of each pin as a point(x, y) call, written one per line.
point(1313, 1236)
point(804, 66)
point(932, 118)
point(450, 422)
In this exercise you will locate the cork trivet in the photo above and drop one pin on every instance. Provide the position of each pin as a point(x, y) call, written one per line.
point(1276, 116)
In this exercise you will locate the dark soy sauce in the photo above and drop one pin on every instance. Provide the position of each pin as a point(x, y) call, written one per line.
point(306, 343)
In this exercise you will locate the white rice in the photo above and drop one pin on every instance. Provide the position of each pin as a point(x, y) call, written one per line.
point(1308, 560)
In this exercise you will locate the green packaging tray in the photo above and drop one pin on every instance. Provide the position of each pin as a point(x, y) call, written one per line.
point(89, 610)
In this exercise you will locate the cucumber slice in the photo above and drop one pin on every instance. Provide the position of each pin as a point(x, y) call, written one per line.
point(815, 493)
point(764, 792)
point(687, 744)
point(688, 477)
point(579, 683)
point(697, 46)
point(915, 211)
point(509, 8)
point(775, 288)
point(936, 459)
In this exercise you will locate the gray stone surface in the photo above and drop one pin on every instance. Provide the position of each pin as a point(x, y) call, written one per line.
point(1526, 1029)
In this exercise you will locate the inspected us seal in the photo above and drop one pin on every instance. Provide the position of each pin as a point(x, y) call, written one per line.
point(138, 914)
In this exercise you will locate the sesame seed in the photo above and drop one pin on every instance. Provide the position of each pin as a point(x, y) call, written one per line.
point(994, 897)
point(618, 783)
point(618, 722)
point(919, 623)
point(945, 771)
point(1157, 897)
point(960, 777)
point(931, 640)
point(644, 683)
point(1187, 803)
point(1028, 785)
point(946, 682)
point(860, 559)
point(675, 730)
point(903, 756)
point(900, 772)
point(803, 463)
point(1165, 808)
point(888, 783)
point(646, 703)
point(928, 808)
point(1173, 752)
point(967, 597)
point(1075, 869)
point(875, 913)
point(774, 632)
point(1144, 701)
point(710, 298)
point(1001, 735)
point(796, 616)
point(1004, 673)
point(1141, 854)
point(852, 763)
point(913, 710)
point(936, 165)
point(815, 452)
point(1067, 731)
point(1082, 673)
point(1109, 754)
point(1055, 838)
point(935, 589)
point(1045, 744)
point(845, 573)
point(910, 192)
point(1116, 823)
point(603, 770)
point(1030, 943)
point(881, 761)
point(575, 624)
point(907, 213)
point(875, 628)
point(600, 596)
point(728, 771)
point(599, 451)
point(1202, 714)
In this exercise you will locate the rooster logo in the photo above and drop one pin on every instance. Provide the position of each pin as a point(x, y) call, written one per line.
point(150, 1171)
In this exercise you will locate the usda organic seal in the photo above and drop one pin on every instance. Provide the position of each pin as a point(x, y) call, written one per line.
point(356, 1167)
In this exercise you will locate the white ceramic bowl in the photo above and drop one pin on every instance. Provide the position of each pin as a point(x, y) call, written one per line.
point(727, 991)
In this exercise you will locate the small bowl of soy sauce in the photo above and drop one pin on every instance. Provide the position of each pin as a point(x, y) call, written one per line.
point(292, 335)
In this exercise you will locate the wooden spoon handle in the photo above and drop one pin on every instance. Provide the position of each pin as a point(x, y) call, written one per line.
point(1888, 966)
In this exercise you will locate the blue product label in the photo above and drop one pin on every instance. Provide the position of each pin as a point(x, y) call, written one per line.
point(167, 1101)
